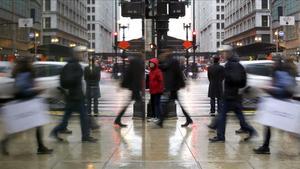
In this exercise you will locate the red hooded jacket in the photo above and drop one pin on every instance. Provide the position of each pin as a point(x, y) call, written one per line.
point(156, 81)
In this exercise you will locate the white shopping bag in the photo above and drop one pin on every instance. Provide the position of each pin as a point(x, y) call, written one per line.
point(23, 115)
point(281, 114)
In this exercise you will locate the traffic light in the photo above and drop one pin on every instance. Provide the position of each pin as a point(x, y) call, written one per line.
point(194, 39)
point(152, 46)
point(116, 39)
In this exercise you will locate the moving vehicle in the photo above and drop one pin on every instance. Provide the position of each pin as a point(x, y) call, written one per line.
point(47, 77)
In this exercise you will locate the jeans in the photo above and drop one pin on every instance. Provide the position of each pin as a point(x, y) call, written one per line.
point(236, 106)
point(156, 106)
point(213, 104)
point(135, 96)
point(75, 106)
point(89, 105)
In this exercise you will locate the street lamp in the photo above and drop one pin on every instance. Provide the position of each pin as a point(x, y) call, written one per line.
point(258, 39)
point(72, 45)
point(54, 40)
point(276, 33)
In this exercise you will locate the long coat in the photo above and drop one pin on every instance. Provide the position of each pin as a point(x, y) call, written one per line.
point(173, 76)
point(134, 75)
point(92, 78)
point(156, 80)
point(216, 74)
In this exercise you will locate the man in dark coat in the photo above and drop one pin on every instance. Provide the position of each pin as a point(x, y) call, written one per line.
point(74, 97)
point(92, 75)
point(215, 76)
point(235, 78)
point(173, 80)
point(133, 81)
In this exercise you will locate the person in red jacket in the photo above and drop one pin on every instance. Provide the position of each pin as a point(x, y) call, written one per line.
point(156, 87)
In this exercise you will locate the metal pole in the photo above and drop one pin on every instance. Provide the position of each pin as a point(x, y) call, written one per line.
point(116, 30)
point(194, 50)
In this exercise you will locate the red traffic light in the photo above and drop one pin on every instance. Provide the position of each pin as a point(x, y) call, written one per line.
point(194, 33)
point(115, 33)
point(152, 46)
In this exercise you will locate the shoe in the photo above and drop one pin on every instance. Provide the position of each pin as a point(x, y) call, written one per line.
point(66, 131)
point(241, 131)
point(96, 115)
point(159, 123)
point(54, 134)
point(118, 123)
point(212, 114)
point(44, 150)
point(95, 127)
point(262, 150)
point(187, 123)
point(210, 126)
point(216, 140)
point(90, 139)
point(251, 135)
point(150, 120)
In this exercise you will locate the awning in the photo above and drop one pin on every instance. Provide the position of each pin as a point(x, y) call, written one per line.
point(53, 50)
point(258, 48)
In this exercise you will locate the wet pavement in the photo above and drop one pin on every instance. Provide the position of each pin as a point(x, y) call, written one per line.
point(143, 145)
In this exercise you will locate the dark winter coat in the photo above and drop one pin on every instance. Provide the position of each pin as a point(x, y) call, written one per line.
point(134, 75)
point(215, 76)
point(75, 93)
point(92, 78)
point(173, 76)
point(156, 81)
point(231, 92)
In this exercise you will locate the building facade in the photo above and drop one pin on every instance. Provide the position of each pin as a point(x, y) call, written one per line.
point(15, 39)
point(210, 24)
point(65, 22)
point(291, 38)
point(100, 24)
point(247, 22)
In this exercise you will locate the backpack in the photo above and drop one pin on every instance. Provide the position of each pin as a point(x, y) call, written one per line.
point(237, 75)
point(67, 77)
point(284, 81)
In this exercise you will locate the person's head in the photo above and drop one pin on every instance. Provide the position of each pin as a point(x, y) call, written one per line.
point(216, 59)
point(151, 65)
point(165, 54)
point(23, 64)
point(226, 51)
point(79, 52)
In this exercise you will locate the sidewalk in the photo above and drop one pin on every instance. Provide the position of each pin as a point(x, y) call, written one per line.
point(144, 146)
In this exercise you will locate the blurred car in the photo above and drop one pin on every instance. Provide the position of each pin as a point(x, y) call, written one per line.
point(259, 74)
point(47, 77)
point(5, 68)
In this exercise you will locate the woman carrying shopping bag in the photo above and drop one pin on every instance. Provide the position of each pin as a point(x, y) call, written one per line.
point(25, 90)
point(283, 85)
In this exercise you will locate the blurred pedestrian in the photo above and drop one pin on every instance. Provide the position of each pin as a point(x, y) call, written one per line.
point(173, 80)
point(71, 80)
point(26, 89)
point(235, 79)
point(133, 80)
point(215, 76)
point(92, 76)
point(156, 87)
point(283, 85)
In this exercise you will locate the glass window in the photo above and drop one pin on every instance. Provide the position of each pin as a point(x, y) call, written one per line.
point(259, 69)
point(218, 44)
point(218, 1)
point(88, 17)
point(218, 25)
point(218, 8)
point(218, 35)
point(264, 4)
point(218, 17)
point(88, 9)
point(47, 5)
point(93, 1)
point(264, 20)
point(93, 27)
point(88, 1)
point(222, 25)
point(47, 22)
point(222, 16)
point(222, 8)
point(93, 18)
point(93, 9)
point(88, 26)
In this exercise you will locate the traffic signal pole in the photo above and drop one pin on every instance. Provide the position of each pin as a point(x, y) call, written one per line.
point(187, 27)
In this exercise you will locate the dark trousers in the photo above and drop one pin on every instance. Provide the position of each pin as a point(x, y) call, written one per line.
point(89, 105)
point(135, 96)
point(38, 135)
point(156, 105)
point(213, 104)
point(236, 106)
point(267, 136)
point(173, 97)
point(75, 106)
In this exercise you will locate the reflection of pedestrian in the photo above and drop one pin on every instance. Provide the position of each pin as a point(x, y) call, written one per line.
point(92, 77)
point(156, 86)
point(215, 76)
point(282, 88)
point(71, 80)
point(24, 83)
point(235, 78)
point(174, 80)
point(133, 81)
